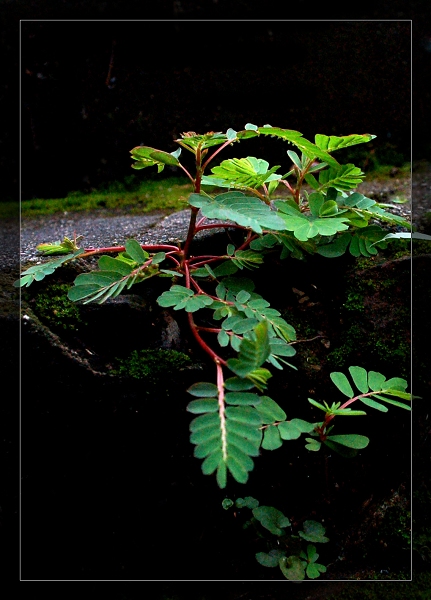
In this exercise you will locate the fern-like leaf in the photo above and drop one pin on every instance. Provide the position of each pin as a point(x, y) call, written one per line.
point(372, 384)
point(181, 297)
point(242, 173)
point(247, 259)
point(253, 352)
point(226, 437)
point(332, 142)
point(311, 150)
point(148, 157)
point(114, 276)
point(343, 177)
point(39, 272)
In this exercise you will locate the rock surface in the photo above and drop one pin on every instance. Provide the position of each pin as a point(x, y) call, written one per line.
point(108, 457)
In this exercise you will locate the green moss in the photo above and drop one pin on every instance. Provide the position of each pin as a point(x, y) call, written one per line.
point(366, 334)
point(421, 247)
point(154, 367)
point(54, 307)
point(167, 195)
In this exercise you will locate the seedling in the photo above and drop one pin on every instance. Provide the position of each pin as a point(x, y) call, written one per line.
point(235, 418)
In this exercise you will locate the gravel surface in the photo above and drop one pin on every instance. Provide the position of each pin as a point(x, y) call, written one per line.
point(100, 229)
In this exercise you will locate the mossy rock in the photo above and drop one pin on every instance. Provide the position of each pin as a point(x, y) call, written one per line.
point(376, 318)
point(156, 369)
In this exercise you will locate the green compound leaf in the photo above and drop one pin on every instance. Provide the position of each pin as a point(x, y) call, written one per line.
point(259, 378)
point(363, 208)
point(148, 157)
point(247, 259)
point(247, 211)
point(272, 519)
point(342, 177)
point(192, 141)
point(292, 568)
point(39, 272)
point(253, 353)
point(115, 274)
point(380, 389)
point(257, 309)
point(225, 437)
point(366, 240)
point(313, 532)
point(311, 150)
point(332, 142)
point(181, 297)
point(313, 568)
point(243, 173)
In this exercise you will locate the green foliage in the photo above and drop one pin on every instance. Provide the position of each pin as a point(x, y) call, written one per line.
point(235, 418)
point(181, 297)
point(286, 551)
point(244, 173)
point(39, 272)
point(371, 385)
point(147, 157)
point(115, 275)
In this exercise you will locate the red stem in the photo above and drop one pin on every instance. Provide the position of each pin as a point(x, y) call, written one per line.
point(329, 418)
point(220, 148)
point(219, 226)
point(217, 359)
point(150, 247)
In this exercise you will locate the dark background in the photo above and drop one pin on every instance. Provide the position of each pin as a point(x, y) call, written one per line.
point(320, 69)
point(81, 117)
point(209, 38)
